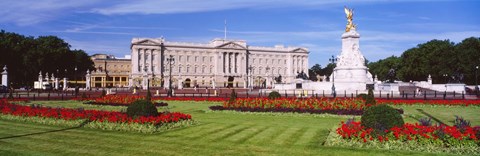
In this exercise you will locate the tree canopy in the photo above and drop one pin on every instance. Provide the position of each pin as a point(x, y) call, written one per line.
point(25, 57)
point(435, 58)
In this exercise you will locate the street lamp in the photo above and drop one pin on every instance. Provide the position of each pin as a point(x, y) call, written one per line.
point(445, 75)
point(75, 76)
point(333, 60)
point(476, 79)
point(170, 61)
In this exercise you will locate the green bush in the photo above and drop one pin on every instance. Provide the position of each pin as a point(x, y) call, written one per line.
point(142, 108)
point(362, 96)
point(274, 95)
point(381, 118)
point(233, 96)
point(370, 98)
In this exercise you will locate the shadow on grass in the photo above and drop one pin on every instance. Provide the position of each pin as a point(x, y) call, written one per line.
point(52, 131)
point(430, 116)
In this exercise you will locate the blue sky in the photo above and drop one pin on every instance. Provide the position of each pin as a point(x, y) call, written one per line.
point(387, 27)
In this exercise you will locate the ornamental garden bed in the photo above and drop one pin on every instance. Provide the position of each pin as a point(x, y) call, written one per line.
point(459, 139)
point(338, 106)
point(106, 120)
point(117, 100)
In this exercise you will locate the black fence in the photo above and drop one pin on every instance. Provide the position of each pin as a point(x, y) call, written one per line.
point(242, 93)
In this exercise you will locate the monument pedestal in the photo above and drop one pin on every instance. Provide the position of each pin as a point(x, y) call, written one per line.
point(351, 74)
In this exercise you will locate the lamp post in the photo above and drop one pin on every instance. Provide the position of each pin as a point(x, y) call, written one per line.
point(171, 61)
point(75, 76)
point(445, 75)
point(476, 79)
point(333, 60)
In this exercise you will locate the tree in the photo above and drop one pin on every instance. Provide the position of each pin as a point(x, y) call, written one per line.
point(382, 67)
point(314, 71)
point(27, 56)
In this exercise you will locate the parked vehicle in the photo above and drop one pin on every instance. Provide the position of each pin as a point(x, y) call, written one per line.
point(42, 86)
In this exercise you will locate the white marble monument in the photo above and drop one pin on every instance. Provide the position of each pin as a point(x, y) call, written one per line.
point(5, 76)
point(88, 78)
point(351, 73)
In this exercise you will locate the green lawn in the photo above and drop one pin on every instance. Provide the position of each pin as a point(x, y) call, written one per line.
point(216, 134)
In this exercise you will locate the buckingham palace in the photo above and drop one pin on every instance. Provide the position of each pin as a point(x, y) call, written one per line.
point(219, 63)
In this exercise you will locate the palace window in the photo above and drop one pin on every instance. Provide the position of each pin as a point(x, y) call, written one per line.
point(203, 59)
point(188, 68)
point(203, 69)
point(179, 69)
point(196, 57)
point(188, 58)
point(180, 58)
point(195, 71)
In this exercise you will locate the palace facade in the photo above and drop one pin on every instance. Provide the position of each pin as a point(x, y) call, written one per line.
point(110, 71)
point(219, 63)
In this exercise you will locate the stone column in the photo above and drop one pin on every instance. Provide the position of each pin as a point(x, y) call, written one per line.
point(237, 63)
point(213, 83)
point(134, 61)
point(87, 80)
point(229, 70)
point(145, 81)
point(56, 83)
point(5, 76)
point(40, 78)
point(65, 83)
point(151, 61)
point(130, 81)
point(224, 62)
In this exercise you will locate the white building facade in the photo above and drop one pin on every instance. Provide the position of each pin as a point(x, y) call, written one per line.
point(219, 63)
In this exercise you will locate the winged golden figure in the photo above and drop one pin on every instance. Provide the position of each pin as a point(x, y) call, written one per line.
point(349, 13)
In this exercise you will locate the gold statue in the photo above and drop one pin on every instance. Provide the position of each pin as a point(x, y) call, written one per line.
point(350, 25)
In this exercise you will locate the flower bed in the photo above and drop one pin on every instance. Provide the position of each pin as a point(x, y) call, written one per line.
point(340, 106)
point(94, 117)
point(436, 139)
point(430, 102)
point(117, 100)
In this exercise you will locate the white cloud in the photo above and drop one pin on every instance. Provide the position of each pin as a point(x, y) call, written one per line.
point(27, 12)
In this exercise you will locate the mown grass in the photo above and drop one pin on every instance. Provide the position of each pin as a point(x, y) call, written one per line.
point(216, 134)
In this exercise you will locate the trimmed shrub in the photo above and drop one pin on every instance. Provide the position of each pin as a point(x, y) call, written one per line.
point(274, 95)
point(362, 96)
point(142, 108)
point(370, 98)
point(381, 118)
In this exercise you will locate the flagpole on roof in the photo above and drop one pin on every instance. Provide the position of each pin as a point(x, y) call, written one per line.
point(225, 35)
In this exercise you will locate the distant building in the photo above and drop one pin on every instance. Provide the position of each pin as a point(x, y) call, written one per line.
point(227, 63)
point(110, 71)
